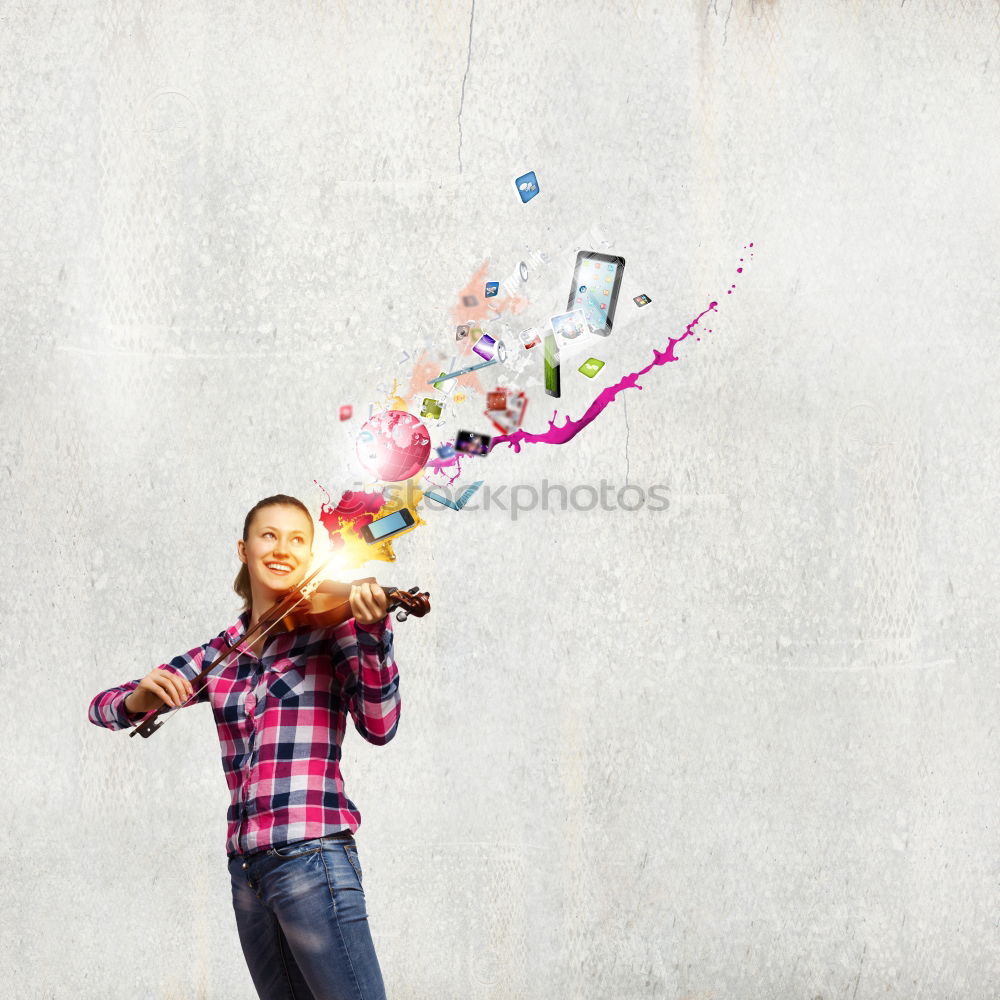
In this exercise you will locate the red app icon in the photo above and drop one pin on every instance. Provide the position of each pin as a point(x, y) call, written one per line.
point(345, 412)
point(509, 419)
point(496, 400)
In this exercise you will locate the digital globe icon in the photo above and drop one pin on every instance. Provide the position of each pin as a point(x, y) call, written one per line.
point(393, 446)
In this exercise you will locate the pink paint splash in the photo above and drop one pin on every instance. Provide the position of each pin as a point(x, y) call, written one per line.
point(569, 430)
point(438, 466)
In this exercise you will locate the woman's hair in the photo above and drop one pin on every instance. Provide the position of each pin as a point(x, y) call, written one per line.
point(242, 582)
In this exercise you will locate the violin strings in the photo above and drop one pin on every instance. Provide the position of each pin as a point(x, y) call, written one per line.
point(268, 620)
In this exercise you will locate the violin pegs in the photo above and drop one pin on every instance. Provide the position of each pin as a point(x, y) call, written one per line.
point(402, 615)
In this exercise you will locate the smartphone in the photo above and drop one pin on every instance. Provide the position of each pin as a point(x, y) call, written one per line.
point(596, 280)
point(552, 382)
point(471, 443)
point(387, 526)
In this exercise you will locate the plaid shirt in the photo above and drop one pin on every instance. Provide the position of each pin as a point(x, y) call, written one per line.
point(281, 721)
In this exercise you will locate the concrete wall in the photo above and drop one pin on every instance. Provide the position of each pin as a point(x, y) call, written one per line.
point(744, 747)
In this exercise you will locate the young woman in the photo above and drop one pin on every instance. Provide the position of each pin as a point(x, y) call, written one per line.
point(280, 707)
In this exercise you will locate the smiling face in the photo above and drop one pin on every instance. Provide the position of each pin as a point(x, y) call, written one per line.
point(277, 551)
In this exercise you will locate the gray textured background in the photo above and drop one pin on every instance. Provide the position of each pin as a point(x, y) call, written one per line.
point(744, 748)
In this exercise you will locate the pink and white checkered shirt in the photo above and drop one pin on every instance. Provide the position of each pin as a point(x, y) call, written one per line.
point(281, 721)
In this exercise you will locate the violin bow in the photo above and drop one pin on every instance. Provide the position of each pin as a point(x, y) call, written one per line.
point(151, 722)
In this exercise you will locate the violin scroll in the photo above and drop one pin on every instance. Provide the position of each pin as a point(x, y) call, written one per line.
point(413, 601)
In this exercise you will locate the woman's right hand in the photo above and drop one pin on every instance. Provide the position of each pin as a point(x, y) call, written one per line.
point(159, 686)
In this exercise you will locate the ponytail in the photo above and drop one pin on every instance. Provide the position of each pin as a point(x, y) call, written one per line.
point(242, 585)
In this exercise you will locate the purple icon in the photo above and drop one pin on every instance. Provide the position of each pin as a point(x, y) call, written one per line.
point(485, 346)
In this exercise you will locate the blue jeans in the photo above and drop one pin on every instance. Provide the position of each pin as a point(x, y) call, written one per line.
point(300, 912)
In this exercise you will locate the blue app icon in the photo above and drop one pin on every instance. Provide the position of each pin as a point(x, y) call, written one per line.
point(492, 287)
point(583, 288)
point(527, 185)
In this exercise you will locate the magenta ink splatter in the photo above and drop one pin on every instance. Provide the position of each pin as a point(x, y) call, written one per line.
point(440, 464)
point(569, 430)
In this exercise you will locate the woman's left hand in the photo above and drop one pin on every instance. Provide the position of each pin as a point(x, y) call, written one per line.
point(369, 603)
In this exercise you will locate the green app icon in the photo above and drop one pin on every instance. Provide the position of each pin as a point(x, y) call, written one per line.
point(591, 367)
point(432, 408)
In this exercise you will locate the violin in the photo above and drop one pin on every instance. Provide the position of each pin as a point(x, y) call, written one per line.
point(314, 603)
point(329, 605)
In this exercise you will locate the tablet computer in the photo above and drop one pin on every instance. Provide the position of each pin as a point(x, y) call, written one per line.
point(596, 280)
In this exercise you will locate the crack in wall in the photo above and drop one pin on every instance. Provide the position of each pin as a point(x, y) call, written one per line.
point(461, 105)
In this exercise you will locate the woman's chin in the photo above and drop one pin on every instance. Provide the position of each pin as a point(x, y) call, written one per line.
point(277, 586)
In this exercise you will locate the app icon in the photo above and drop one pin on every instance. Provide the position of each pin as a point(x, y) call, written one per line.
point(469, 301)
point(510, 418)
point(345, 412)
point(591, 367)
point(611, 267)
point(484, 347)
point(492, 287)
point(527, 186)
point(604, 305)
point(431, 408)
point(642, 300)
point(529, 338)
point(445, 451)
point(583, 288)
point(497, 399)
point(569, 325)
point(462, 331)
point(606, 292)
